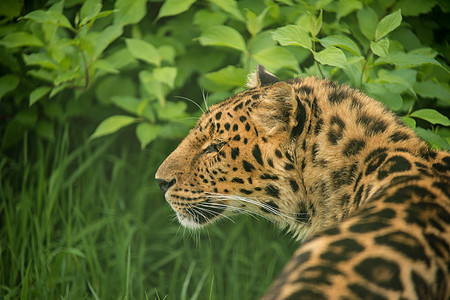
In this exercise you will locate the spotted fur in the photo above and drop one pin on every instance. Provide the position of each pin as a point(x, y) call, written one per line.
point(369, 198)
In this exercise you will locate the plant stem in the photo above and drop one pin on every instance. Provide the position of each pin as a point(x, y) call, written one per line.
point(313, 50)
point(369, 52)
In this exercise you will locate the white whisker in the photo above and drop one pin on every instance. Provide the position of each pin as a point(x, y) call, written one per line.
point(204, 207)
point(217, 205)
point(280, 213)
point(204, 98)
point(234, 209)
point(189, 118)
point(192, 101)
point(196, 217)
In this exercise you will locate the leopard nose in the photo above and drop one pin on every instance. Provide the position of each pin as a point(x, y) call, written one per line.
point(164, 185)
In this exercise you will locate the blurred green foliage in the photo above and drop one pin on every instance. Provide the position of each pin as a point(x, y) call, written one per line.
point(77, 77)
point(69, 58)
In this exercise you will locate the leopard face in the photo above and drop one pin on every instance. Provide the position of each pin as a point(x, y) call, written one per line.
point(240, 157)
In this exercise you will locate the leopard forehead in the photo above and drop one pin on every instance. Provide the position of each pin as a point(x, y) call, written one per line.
point(229, 115)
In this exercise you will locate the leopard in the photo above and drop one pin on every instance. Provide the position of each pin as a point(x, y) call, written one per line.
point(368, 200)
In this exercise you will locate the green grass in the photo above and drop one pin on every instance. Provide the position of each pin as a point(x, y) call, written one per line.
point(86, 220)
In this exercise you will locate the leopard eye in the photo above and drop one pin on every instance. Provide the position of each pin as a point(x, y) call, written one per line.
point(214, 147)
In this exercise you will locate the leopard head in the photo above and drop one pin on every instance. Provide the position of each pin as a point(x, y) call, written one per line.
point(240, 157)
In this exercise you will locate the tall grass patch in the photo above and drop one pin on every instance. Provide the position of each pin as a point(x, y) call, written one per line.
point(89, 222)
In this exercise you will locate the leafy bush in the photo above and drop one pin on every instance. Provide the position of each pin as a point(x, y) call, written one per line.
point(79, 70)
point(61, 59)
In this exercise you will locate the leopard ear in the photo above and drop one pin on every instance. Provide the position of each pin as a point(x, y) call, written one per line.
point(279, 111)
point(260, 78)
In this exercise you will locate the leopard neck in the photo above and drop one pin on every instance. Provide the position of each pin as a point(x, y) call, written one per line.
point(340, 159)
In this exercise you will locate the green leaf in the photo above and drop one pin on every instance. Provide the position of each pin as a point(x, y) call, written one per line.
point(367, 20)
point(129, 11)
point(206, 19)
point(27, 118)
point(10, 8)
point(380, 92)
point(230, 6)
point(416, 7)
point(410, 122)
point(49, 17)
point(38, 93)
point(409, 75)
point(174, 131)
point(70, 75)
point(147, 133)
point(121, 58)
point(341, 41)
point(346, 7)
point(430, 89)
point(40, 59)
point(114, 85)
point(331, 56)
point(229, 76)
point(354, 60)
point(380, 48)
point(144, 51)
point(315, 24)
point(292, 35)
point(8, 83)
point(54, 110)
point(12, 134)
point(42, 74)
point(432, 138)
point(262, 41)
point(133, 105)
point(407, 39)
point(20, 39)
point(390, 78)
point(153, 87)
point(142, 106)
point(425, 51)
point(59, 88)
point(408, 60)
point(167, 54)
point(166, 75)
point(388, 24)
point(392, 100)
point(102, 14)
point(105, 66)
point(174, 7)
point(111, 125)
point(105, 37)
point(223, 36)
point(275, 58)
point(431, 115)
point(254, 25)
point(127, 103)
point(287, 2)
point(17, 127)
point(46, 129)
point(172, 111)
point(89, 10)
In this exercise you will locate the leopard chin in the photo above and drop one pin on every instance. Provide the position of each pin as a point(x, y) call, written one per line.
point(188, 221)
point(197, 214)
